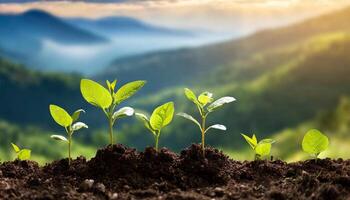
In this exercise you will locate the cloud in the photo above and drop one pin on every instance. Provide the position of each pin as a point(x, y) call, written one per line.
point(213, 15)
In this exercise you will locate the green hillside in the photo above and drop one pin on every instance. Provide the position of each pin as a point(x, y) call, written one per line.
point(334, 123)
point(282, 80)
point(38, 140)
point(308, 78)
point(188, 66)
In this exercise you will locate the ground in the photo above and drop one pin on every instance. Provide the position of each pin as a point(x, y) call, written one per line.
point(118, 172)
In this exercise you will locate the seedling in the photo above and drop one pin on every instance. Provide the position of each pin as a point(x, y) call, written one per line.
point(262, 148)
point(69, 122)
point(22, 154)
point(204, 108)
point(160, 118)
point(314, 143)
point(108, 99)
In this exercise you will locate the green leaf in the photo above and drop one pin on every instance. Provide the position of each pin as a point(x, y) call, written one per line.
point(60, 116)
point(216, 126)
point(123, 112)
point(24, 154)
point(15, 147)
point(76, 114)
point(79, 125)
point(95, 94)
point(205, 98)
point(146, 122)
point(314, 142)
point(128, 90)
point(108, 84)
point(162, 116)
point(189, 117)
point(59, 137)
point(251, 141)
point(111, 86)
point(263, 149)
point(270, 141)
point(191, 96)
point(220, 102)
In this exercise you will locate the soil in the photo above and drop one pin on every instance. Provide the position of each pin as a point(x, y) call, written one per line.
point(118, 172)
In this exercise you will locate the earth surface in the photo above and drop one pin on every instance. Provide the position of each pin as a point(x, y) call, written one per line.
point(118, 172)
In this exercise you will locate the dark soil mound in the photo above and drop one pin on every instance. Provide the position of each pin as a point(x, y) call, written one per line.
point(118, 172)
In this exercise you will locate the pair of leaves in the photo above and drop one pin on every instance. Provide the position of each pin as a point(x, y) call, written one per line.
point(314, 142)
point(75, 127)
point(215, 126)
point(161, 117)
point(99, 96)
point(205, 98)
point(123, 112)
point(262, 148)
point(111, 86)
point(62, 117)
point(22, 154)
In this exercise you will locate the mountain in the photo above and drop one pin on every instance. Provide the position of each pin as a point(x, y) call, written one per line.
point(280, 77)
point(305, 79)
point(26, 95)
point(116, 26)
point(186, 66)
point(335, 123)
point(23, 35)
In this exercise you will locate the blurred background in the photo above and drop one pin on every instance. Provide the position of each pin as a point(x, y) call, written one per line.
point(287, 62)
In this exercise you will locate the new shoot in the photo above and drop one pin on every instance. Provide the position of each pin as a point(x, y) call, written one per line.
point(262, 148)
point(205, 106)
point(69, 122)
point(314, 143)
point(107, 99)
point(160, 118)
point(22, 154)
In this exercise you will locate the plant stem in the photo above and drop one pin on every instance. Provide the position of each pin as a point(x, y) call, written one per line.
point(203, 135)
point(69, 147)
point(111, 131)
point(157, 140)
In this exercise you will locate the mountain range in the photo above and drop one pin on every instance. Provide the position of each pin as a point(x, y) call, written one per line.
point(43, 41)
point(283, 79)
point(22, 34)
point(121, 25)
point(174, 67)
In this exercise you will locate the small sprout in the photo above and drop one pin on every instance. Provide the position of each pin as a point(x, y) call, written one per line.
point(69, 122)
point(314, 142)
point(262, 148)
point(160, 118)
point(22, 154)
point(107, 99)
point(205, 106)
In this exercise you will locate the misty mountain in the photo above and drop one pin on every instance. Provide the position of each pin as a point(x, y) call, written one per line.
point(189, 65)
point(24, 32)
point(46, 42)
point(22, 35)
point(114, 26)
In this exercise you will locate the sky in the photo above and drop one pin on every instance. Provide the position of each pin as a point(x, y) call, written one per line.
point(209, 15)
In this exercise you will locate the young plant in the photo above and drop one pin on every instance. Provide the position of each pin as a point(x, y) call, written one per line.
point(314, 143)
point(160, 118)
point(22, 154)
point(262, 148)
point(204, 108)
point(107, 99)
point(69, 122)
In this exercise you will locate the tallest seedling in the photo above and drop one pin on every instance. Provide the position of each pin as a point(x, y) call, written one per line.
point(108, 99)
point(205, 106)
